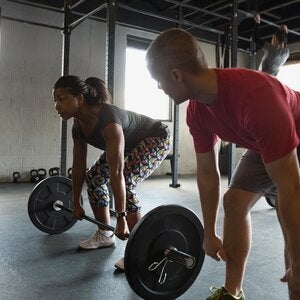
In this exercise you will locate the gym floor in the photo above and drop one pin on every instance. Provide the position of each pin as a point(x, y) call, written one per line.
point(34, 265)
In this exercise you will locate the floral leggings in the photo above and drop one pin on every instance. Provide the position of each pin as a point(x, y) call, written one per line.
point(139, 164)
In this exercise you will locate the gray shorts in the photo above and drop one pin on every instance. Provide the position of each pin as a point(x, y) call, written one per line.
point(251, 175)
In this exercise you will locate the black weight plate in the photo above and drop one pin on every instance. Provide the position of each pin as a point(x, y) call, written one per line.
point(162, 227)
point(271, 201)
point(40, 205)
point(271, 196)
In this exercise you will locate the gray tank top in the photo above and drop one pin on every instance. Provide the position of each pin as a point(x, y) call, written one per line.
point(136, 127)
point(273, 58)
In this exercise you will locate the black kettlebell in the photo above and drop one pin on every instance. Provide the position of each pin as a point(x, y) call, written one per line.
point(42, 173)
point(70, 173)
point(34, 177)
point(16, 177)
point(54, 171)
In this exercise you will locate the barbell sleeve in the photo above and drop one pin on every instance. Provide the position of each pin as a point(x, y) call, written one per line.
point(172, 254)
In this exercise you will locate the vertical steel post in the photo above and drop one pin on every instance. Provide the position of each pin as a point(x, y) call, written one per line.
point(233, 64)
point(0, 26)
point(225, 62)
point(110, 45)
point(252, 59)
point(65, 71)
point(234, 33)
point(218, 56)
point(174, 161)
point(111, 16)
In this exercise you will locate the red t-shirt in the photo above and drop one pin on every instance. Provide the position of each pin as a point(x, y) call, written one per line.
point(253, 109)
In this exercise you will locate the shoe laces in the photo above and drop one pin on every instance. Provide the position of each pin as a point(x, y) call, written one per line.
point(216, 290)
point(99, 237)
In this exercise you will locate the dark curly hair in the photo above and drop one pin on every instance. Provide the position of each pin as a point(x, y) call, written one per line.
point(281, 36)
point(93, 89)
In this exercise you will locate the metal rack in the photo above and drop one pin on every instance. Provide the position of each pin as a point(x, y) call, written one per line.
point(210, 21)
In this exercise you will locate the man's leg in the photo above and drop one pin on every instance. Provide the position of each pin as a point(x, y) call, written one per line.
point(237, 235)
point(248, 183)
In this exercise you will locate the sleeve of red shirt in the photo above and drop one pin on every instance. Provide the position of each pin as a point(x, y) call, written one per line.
point(204, 139)
point(271, 123)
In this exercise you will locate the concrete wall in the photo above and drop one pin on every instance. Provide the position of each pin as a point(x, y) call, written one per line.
point(30, 62)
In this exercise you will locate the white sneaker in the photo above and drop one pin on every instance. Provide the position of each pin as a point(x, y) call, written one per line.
point(120, 264)
point(98, 240)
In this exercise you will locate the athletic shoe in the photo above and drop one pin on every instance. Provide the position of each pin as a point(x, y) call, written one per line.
point(119, 265)
point(222, 294)
point(98, 240)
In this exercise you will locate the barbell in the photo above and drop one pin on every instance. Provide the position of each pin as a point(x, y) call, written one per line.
point(163, 255)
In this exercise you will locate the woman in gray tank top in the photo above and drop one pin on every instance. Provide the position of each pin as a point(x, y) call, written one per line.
point(276, 53)
point(133, 147)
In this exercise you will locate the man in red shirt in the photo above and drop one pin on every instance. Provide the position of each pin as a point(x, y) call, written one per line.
point(251, 109)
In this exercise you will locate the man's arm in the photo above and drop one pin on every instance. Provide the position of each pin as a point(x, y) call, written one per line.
point(208, 180)
point(256, 35)
point(285, 174)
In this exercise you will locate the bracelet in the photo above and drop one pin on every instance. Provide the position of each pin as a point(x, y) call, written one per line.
point(120, 215)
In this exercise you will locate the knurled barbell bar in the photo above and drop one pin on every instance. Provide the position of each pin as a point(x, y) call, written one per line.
point(58, 205)
point(163, 255)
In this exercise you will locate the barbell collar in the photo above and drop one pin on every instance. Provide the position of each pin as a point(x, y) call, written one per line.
point(174, 255)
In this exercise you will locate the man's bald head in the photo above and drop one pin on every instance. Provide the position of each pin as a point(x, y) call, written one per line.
point(174, 48)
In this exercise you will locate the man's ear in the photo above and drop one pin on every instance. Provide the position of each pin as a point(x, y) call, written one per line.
point(80, 98)
point(176, 75)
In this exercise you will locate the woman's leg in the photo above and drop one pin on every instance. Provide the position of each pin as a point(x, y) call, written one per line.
point(140, 163)
point(97, 178)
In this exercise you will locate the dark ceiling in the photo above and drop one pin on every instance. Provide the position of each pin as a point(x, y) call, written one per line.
point(206, 19)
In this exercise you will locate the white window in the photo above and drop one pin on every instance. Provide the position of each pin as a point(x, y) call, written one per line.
point(289, 75)
point(142, 94)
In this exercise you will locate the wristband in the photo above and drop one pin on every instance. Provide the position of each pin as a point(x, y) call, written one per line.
point(120, 215)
